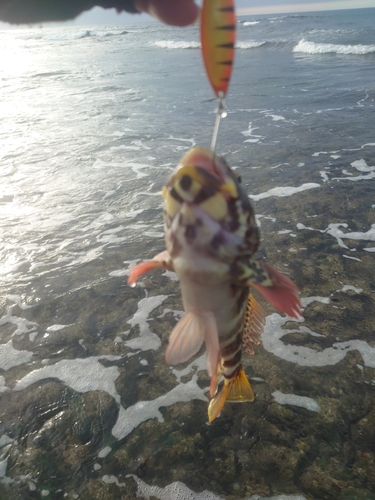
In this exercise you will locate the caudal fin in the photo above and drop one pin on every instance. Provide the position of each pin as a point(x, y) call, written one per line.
point(240, 390)
point(236, 390)
point(283, 294)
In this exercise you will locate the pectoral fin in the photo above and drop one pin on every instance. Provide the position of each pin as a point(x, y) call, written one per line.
point(283, 294)
point(275, 287)
point(186, 339)
point(161, 260)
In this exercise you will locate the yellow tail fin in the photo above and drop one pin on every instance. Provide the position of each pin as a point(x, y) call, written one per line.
point(236, 390)
point(240, 389)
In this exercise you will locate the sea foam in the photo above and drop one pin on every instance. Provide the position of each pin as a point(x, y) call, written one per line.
point(329, 48)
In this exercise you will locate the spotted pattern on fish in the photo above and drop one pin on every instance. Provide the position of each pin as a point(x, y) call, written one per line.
point(211, 237)
point(233, 213)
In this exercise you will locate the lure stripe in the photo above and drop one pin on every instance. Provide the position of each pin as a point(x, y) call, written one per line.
point(225, 46)
point(226, 27)
point(218, 34)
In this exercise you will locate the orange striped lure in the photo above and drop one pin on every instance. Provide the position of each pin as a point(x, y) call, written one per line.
point(218, 37)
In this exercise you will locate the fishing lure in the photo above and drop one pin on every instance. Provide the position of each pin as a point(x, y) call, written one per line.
point(218, 37)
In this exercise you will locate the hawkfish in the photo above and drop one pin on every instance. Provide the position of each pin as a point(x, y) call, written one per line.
point(211, 237)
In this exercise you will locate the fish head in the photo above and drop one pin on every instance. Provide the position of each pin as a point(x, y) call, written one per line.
point(206, 208)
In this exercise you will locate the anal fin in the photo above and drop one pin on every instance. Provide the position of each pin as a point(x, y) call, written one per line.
point(217, 403)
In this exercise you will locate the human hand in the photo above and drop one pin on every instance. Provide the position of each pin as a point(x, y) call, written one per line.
point(173, 12)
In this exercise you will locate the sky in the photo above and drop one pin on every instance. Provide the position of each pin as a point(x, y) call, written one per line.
point(99, 16)
point(243, 7)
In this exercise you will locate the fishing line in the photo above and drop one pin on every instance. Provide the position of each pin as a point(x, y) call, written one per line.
point(221, 112)
point(218, 36)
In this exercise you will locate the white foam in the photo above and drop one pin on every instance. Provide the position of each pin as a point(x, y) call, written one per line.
point(370, 249)
point(133, 416)
point(172, 44)
point(250, 44)
point(171, 275)
point(352, 258)
point(249, 133)
point(352, 288)
point(147, 340)
point(22, 324)
point(3, 387)
point(305, 356)
point(109, 479)
point(276, 118)
point(294, 400)
point(360, 166)
point(282, 192)
point(179, 491)
point(330, 48)
point(82, 375)
point(56, 328)
point(104, 452)
point(333, 230)
point(10, 357)
point(173, 491)
point(318, 153)
point(324, 176)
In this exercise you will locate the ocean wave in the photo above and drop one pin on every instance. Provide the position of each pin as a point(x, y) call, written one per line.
point(250, 23)
point(72, 35)
point(330, 48)
point(251, 44)
point(172, 44)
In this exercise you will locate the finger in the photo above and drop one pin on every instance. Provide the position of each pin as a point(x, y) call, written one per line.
point(173, 12)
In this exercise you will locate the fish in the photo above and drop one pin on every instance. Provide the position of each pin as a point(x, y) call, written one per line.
point(218, 36)
point(211, 238)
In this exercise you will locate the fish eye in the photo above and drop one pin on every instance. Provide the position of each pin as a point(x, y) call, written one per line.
point(185, 182)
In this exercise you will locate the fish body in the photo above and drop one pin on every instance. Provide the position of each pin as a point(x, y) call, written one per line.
point(211, 237)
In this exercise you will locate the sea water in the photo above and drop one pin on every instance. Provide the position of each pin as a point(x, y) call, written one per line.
point(92, 122)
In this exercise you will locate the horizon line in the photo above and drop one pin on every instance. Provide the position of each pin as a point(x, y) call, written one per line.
point(299, 7)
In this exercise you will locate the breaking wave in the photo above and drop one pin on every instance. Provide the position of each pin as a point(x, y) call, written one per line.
point(330, 48)
point(72, 35)
point(172, 44)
